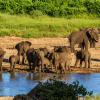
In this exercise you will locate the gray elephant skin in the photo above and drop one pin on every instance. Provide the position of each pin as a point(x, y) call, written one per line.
point(83, 37)
point(83, 56)
point(2, 53)
point(13, 60)
point(22, 48)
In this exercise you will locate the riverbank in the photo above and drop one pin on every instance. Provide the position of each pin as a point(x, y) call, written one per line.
point(8, 43)
point(6, 98)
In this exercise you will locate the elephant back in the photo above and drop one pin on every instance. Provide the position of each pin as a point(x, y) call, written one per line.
point(2, 52)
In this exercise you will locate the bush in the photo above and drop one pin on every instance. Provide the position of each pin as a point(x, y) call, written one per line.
point(51, 7)
point(36, 13)
point(58, 90)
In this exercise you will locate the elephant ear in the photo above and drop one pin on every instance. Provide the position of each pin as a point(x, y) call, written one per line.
point(92, 33)
point(17, 46)
point(29, 43)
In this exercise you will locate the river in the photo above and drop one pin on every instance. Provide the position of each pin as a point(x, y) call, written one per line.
point(12, 84)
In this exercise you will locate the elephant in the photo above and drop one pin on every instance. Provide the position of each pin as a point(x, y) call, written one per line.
point(45, 50)
point(83, 37)
point(13, 60)
point(2, 53)
point(62, 49)
point(62, 61)
point(45, 63)
point(83, 56)
point(34, 60)
point(22, 48)
point(92, 40)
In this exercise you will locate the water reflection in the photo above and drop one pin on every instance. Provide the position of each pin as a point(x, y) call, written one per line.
point(20, 83)
point(12, 75)
point(0, 76)
point(38, 77)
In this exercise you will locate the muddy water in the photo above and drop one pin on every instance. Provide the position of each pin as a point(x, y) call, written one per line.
point(21, 83)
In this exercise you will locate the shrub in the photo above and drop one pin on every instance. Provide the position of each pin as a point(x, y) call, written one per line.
point(58, 90)
point(36, 13)
point(51, 7)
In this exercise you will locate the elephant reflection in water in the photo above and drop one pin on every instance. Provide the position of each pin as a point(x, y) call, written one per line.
point(12, 75)
point(29, 76)
point(62, 77)
point(38, 76)
point(0, 76)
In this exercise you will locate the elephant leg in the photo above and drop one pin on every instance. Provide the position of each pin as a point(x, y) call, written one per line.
point(86, 61)
point(91, 44)
point(89, 62)
point(1, 65)
point(85, 43)
point(30, 66)
point(72, 46)
point(1, 60)
point(13, 67)
point(40, 68)
point(76, 63)
point(94, 44)
point(81, 62)
point(23, 59)
point(19, 61)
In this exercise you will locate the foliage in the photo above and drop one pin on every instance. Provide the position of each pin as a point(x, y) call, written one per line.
point(44, 26)
point(55, 8)
point(58, 90)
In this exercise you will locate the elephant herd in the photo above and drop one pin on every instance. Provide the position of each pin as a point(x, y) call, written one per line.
point(59, 58)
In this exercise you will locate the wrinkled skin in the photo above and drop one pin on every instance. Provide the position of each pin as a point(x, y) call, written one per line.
point(83, 56)
point(22, 48)
point(62, 49)
point(2, 53)
point(82, 37)
point(13, 60)
point(45, 50)
point(45, 63)
point(34, 59)
point(62, 61)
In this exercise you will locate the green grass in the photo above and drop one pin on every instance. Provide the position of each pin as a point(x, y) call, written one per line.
point(93, 98)
point(44, 26)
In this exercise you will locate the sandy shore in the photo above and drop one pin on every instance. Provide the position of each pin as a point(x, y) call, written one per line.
point(8, 44)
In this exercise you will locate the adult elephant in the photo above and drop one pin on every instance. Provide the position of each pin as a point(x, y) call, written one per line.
point(22, 48)
point(82, 37)
point(2, 53)
point(34, 59)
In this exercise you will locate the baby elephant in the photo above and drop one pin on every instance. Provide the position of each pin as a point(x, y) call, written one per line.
point(13, 60)
point(83, 56)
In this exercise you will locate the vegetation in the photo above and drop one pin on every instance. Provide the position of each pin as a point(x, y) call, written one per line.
point(55, 8)
point(58, 90)
point(44, 26)
point(47, 18)
point(93, 98)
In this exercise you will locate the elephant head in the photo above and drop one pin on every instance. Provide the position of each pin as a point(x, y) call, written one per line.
point(92, 33)
point(22, 48)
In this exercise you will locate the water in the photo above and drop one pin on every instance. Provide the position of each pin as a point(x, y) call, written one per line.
point(12, 84)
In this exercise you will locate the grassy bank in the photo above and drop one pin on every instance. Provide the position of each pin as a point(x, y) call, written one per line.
point(44, 26)
point(93, 98)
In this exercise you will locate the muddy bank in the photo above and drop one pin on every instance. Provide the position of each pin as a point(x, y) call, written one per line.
point(8, 44)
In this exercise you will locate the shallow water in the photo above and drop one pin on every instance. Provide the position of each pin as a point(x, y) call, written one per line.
point(21, 83)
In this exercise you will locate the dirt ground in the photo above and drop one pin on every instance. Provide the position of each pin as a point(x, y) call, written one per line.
point(8, 44)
